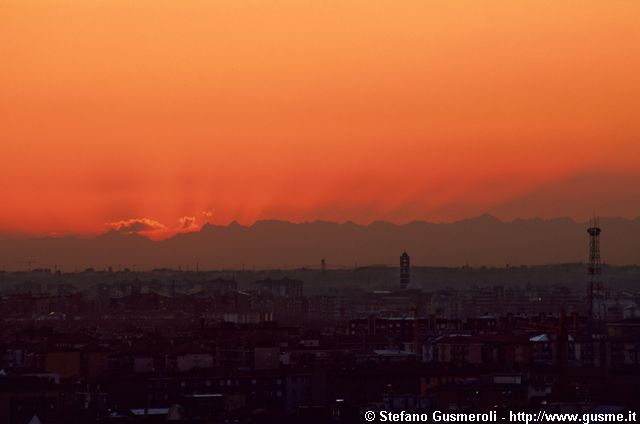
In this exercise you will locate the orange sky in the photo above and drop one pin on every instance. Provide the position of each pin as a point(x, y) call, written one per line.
point(115, 110)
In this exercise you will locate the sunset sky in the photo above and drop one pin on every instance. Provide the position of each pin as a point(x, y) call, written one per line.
point(161, 115)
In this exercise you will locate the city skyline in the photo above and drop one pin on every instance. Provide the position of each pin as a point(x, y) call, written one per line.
point(327, 212)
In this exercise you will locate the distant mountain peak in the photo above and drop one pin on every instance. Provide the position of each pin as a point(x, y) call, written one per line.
point(484, 218)
point(482, 240)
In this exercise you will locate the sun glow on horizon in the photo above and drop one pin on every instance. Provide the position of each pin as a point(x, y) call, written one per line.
point(157, 117)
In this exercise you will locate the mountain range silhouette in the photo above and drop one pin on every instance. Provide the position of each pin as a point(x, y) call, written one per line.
point(268, 244)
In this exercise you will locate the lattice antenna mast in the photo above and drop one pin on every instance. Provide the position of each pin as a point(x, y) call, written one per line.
point(596, 302)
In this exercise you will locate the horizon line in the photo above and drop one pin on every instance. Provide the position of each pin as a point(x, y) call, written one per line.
point(147, 234)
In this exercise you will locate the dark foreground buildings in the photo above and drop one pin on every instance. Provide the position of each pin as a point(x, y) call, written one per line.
point(205, 348)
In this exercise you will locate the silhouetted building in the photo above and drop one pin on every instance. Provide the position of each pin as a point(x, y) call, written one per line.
point(282, 287)
point(597, 308)
point(405, 270)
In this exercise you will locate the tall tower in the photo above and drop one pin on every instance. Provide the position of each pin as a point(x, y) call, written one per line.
point(405, 270)
point(595, 292)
